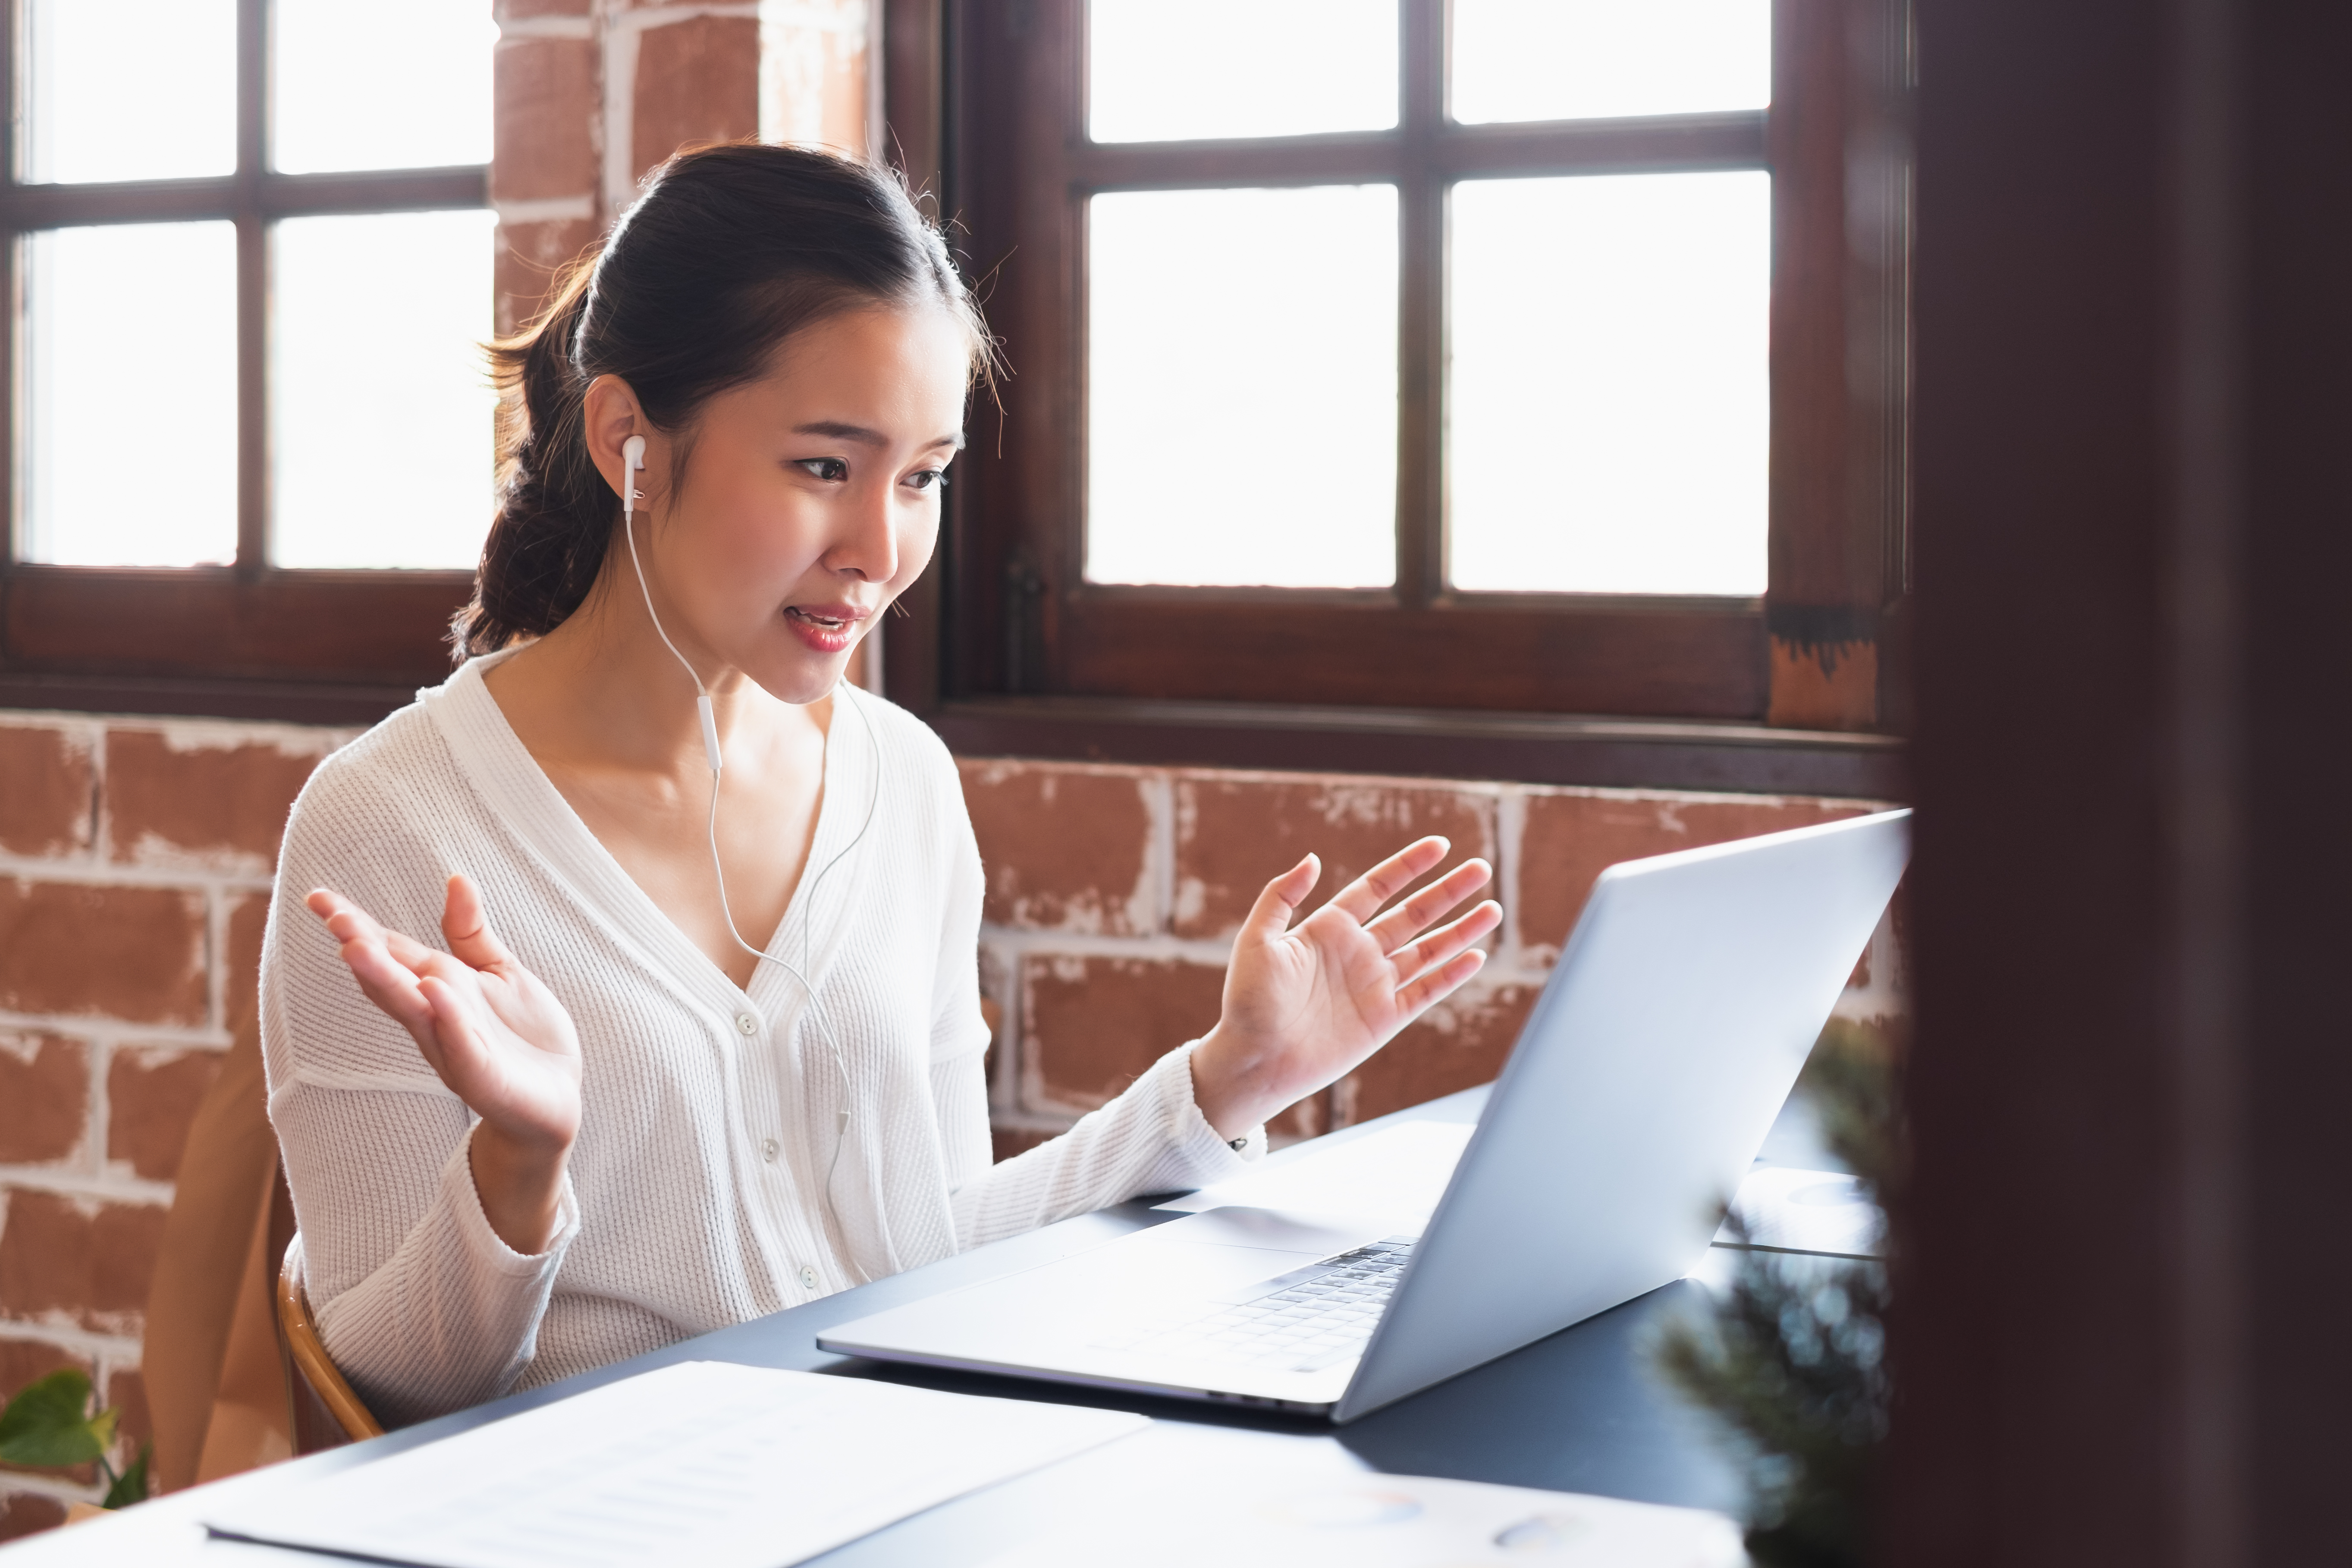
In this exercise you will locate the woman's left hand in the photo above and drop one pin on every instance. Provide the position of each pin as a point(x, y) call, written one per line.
point(1303, 1007)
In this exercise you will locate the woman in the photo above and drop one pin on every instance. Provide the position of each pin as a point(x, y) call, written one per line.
point(610, 1122)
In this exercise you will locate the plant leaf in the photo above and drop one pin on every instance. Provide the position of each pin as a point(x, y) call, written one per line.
point(130, 1485)
point(47, 1423)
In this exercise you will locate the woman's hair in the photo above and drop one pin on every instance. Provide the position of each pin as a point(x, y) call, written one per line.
point(730, 250)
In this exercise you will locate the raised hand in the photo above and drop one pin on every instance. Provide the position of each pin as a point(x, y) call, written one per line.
point(1303, 1007)
point(495, 1034)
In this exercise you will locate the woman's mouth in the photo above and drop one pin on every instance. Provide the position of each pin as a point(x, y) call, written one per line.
point(827, 628)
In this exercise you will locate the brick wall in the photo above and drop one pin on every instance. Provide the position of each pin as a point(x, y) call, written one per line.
point(593, 94)
point(1114, 893)
point(134, 864)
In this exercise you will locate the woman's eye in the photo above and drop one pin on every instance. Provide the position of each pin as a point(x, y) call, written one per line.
point(828, 469)
point(927, 479)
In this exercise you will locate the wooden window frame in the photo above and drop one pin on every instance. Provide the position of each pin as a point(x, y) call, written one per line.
point(247, 640)
point(1008, 649)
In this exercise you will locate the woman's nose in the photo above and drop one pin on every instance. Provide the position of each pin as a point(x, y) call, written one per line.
point(870, 550)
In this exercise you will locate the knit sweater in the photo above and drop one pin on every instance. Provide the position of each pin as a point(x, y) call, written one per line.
point(713, 1179)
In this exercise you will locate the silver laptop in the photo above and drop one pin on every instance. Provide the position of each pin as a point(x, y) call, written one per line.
point(1640, 1089)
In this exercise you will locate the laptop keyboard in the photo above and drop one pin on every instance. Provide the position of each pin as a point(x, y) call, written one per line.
point(1305, 1320)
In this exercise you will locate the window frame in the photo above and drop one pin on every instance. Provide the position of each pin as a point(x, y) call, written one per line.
point(248, 639)
point(985, 103)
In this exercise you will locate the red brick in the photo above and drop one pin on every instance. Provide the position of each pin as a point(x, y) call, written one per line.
point(547, 98)
point(1570, 837)
point(697, 80)
point(164, 803)
point(45, 792)
point(1236, 832)
point(151, 1097)
point(1090, 1025)
point(527, 257)
point(1066, 847)
point(87, 1260)
point(132, 953)
point(28, 1513)
point(43, 1097)
point(241, 964)
point(523, 10)
point(1456, 1044)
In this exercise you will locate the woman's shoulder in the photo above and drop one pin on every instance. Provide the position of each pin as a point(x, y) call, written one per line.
point(398, 775)
point(907, 744)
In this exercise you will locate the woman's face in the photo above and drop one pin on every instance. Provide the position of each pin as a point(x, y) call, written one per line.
point(811, 497)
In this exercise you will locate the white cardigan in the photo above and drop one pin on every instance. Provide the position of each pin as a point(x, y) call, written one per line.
point(697, 1192)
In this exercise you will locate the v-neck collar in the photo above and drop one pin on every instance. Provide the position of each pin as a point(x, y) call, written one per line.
point(527, 802)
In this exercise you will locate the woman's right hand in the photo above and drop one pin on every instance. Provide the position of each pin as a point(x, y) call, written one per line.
point(498, 1037)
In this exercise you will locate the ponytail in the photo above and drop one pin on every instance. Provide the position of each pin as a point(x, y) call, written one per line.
point(730, 250)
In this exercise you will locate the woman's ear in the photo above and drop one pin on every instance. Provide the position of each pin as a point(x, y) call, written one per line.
point(611, 415)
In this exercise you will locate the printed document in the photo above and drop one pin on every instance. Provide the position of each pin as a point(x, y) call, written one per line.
point(704, 1462)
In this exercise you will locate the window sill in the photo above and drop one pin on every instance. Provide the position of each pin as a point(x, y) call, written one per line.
point(1531, 748)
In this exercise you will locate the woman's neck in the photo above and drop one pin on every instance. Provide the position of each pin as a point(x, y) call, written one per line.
point(602, 691)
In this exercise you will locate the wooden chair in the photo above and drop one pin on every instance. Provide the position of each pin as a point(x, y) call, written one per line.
point(318, 1375)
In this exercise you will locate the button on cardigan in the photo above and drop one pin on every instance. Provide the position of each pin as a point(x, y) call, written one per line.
point(714, 1178)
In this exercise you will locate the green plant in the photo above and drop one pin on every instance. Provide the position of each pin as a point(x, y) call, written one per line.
point(1793, 1357)
point(49, 1424)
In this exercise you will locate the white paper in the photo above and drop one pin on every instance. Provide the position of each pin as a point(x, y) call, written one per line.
point(1396, 1175)
point(1807, 1211)
point(1296, 1516)
point(704, 1462)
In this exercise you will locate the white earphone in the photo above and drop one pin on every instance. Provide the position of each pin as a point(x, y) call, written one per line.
point(633, 461)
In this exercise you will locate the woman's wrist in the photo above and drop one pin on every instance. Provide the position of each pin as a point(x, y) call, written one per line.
point(521, 1187)
point(1229, 1086)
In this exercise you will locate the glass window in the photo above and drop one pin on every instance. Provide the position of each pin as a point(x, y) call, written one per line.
point(1241, 387)
point(1591, 60)
point(1609, 398)
point(132, 90)
point(379, 433)
point(1208, 68)
point(380, 87)
point(130, 407)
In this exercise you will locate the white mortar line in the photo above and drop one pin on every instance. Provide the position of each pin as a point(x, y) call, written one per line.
point(78, 1341)
point(97, 1026)
point(1511, 833)
point(548, 209)
point(618, 122)
point(39, 1485)
point(1159, 845)
point(519, 27)
point(31, 868)
point(104, 1185)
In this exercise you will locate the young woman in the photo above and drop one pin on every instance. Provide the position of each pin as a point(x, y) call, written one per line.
point(602, 1120)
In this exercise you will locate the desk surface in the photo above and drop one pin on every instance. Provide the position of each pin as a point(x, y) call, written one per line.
point(1580, 1411)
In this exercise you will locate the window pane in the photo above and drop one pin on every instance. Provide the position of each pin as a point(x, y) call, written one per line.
point(131, 394)
point(381, 406)
point(381, 87)
point(1163, 72)
point(132, 90)
point(1241, 387)
point(1593, 59)
point(1609, 402)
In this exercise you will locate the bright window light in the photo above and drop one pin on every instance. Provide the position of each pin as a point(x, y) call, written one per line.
point(131, 405)
point(130, 89)
point(1609, 400)
point(1159, 72)
point(380, 426)
point(1595, 59)
point(381, 87)
point(1241, 387)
